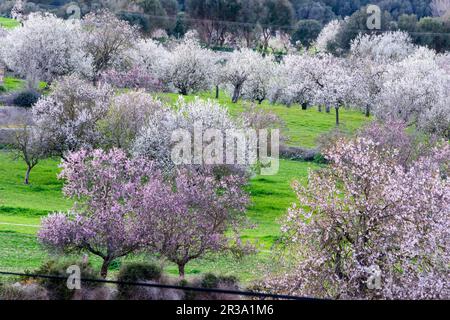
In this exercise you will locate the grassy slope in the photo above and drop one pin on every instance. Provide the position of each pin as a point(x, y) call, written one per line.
point(10, 83)
point(271, 196)
point(303, 126)
point(8, 23)
point(13, 84)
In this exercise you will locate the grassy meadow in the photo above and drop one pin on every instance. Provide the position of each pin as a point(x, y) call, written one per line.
point(8, 23)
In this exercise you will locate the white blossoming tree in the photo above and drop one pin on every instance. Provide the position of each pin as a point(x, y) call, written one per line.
point(70, 114)
point(328, 35)
point(148, 55)
point(416, 90)
point(17, 12)
point(189, 67)
point(241, 64)
point(155, 139)
point(127, 114)
point(44, 48)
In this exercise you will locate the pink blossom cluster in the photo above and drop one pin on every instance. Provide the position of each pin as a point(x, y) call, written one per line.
point(135, 78)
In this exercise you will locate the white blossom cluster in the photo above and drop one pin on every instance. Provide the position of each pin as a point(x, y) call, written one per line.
point(155, 139)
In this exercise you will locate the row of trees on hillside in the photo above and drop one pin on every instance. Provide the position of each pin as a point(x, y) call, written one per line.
point(251, 23)
point(385, 74)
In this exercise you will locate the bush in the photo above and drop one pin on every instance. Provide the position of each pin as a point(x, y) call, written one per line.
point(135, 78)
point(22, 291)
point(212, 281)
point(8, 292)
point(136, 272)
point(57, 288)
point(26, 99)
point(2, 88)
point(299, 153)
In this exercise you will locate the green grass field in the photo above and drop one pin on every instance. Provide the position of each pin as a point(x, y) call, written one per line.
point(13, 84)
point(22, 207)
point(303, 126)
point(8, 23)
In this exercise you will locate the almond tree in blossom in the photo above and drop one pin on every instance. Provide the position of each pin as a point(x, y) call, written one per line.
point(106, 38)
point(371, 211)
point(45, 48)
point(201, 215)
point(70, 114)
point(239, 67)
point(370, 58)
point(189, 68)
point(107, 218)
point(124, 205)
point(417, 90)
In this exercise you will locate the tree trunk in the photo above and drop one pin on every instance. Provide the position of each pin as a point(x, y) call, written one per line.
point(367, 113)
point(337, 115)
point(217, 92)
point(304, 106)
point(105, 266)
point(319, 108)
point(327, 109)
point(27, 175)
point(236, 94)
point(181, 270)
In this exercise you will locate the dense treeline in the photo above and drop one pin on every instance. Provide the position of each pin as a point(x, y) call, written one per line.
point(230, 23)
point(322, 10)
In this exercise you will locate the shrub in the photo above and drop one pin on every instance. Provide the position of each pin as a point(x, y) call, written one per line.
point(299, 153)
point(212, 281)
point(57, 288)
point(8, 292)
point(26, 99)
point(140, 272)
point(2, 88)
point(22, 291)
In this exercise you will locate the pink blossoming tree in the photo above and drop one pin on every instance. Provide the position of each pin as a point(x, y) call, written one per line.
point(199, 210)
point(371, 226)
point(124, 205)
point(106, 219)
